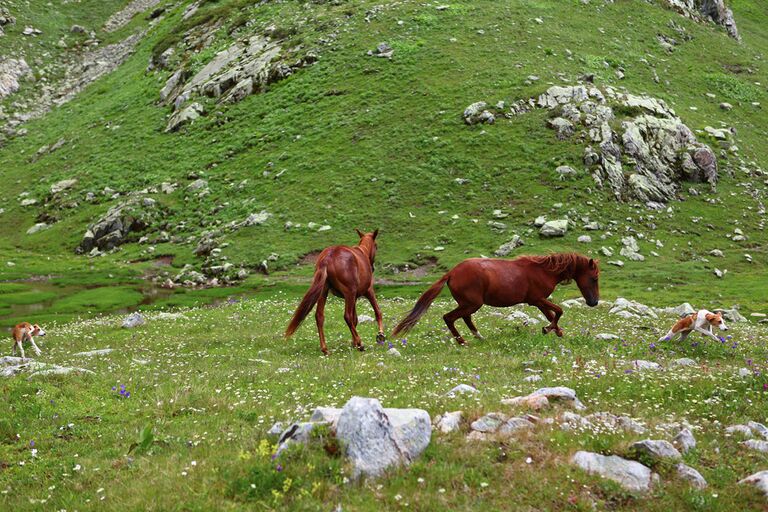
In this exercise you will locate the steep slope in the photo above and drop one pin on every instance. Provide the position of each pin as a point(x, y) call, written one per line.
point(344, 139)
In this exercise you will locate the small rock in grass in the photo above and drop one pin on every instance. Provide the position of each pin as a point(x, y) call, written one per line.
point(691, 476)
point(759, 480)
point(133, 320)
point(449, 422)
point(640, 364)
point(462, 389)
point(489, 423)
point(685, 440)
point(757, 445)
point(684, 361)
point(394, 352)
point(656, 449)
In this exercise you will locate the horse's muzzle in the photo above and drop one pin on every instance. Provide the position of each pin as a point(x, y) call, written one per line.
point(592, 303)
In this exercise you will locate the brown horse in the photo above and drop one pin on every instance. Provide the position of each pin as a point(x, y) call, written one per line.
point(346, 272)
point(501, 283)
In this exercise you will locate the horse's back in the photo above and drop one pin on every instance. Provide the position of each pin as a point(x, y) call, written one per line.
point(497, 282)
point(345, 267)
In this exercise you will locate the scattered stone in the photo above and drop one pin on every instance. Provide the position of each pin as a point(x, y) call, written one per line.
point(642, 365)
point(585, 239)
point(554, 228)
point(462, 389)
point(449, 422)
point(62, 185)
point(534, 402)
point(40, 226)
point(393, 352)
point(133, 320)
point(758, 480)
point(93, 353)
point(684, 440)
point(476, 113)
point(276, 429)
point(684, 361)
point(382, 50)
point(631, 475)
point(489, 423)
point(506, 248)
point(560, 393)
point(656, 450)
point(690, 475)
point(757, 445)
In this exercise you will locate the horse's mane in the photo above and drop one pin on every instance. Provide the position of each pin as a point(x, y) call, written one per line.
point(564, 264)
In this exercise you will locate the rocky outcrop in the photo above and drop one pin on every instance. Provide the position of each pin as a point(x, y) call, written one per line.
point(636, 145)
point(243, 69)
point(120, 224)
point(712, 10)
point(12, 72)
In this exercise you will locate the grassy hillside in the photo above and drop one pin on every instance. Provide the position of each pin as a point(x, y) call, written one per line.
point(367, 142)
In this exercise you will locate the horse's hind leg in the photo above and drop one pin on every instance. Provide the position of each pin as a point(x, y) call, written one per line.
point(460, 312)
point(350, 316)
point(468, 320)
point(320, 320)
point(371, 296)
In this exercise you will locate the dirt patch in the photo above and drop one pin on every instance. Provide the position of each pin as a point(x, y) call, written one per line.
point(163, 261)
point(419, 271)
point(310, 258)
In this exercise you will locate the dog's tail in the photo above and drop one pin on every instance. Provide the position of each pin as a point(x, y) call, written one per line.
point(421, 307)
point(308, 302)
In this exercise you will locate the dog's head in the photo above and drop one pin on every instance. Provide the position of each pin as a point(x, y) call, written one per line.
point(716, 320)
point(37, 331)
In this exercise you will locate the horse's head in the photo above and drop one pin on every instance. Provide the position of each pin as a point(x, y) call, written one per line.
point(587, 281)
point(368, 241)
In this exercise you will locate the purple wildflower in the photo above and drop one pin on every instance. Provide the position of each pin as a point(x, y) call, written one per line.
point(32, 444)
point(279, 467)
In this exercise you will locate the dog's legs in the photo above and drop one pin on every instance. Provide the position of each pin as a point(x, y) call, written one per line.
point(34, 346)
point(21, 348)
point(684, 335)
point(709, 333)
point(14, 348)
point(668, 336)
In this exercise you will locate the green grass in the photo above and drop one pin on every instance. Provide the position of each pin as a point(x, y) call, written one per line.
point(209, 392)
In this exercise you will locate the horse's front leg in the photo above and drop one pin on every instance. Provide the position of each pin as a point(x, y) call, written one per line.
point(553, 312)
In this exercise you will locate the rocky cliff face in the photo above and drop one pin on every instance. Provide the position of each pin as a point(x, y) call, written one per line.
point(713, 10)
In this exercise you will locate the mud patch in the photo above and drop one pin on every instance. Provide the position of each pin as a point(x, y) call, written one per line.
point(417, 271)
point(310, 258)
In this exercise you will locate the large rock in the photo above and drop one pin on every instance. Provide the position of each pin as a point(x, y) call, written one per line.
point(476, 113)
point(684, 440)
point(184, 116)
point(375, 440)
point(562, 394)
point(449, 422)
point(120, 225)
point(631, 475)
point(62, 185)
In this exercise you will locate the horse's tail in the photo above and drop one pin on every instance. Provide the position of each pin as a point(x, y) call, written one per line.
point(309, 300)
point(421, 307)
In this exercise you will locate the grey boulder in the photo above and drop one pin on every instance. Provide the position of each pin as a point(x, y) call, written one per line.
point(631, 475)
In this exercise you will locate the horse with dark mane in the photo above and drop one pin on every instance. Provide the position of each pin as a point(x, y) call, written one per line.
point(502, 283)
point(346, 272)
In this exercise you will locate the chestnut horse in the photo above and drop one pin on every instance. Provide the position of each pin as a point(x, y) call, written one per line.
point(346, 272)
point(501, 283)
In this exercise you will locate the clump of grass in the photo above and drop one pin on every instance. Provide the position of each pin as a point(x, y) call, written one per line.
point(733, 87)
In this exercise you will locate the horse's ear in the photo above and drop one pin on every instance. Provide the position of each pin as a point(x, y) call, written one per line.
point(376, 233)
point(360, 233)
point(592, 264)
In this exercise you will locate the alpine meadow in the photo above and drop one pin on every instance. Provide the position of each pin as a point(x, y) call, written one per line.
point(383, 255)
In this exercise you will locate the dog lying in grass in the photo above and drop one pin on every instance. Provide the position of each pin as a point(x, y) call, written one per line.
point(702, 321)
point(25, 332)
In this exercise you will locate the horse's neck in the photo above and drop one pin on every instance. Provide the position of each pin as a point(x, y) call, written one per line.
point(366, 248)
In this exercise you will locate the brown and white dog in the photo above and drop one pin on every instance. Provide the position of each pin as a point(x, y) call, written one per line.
point(701, 321)
point(24, 332)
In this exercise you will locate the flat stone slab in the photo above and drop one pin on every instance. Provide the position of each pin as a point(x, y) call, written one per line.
point(631, 475)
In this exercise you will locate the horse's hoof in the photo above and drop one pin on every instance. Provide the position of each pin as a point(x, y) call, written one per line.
point(461, 341)
point(361, 348)
point(380, 338)
point(559, 333)
point(544, 331)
